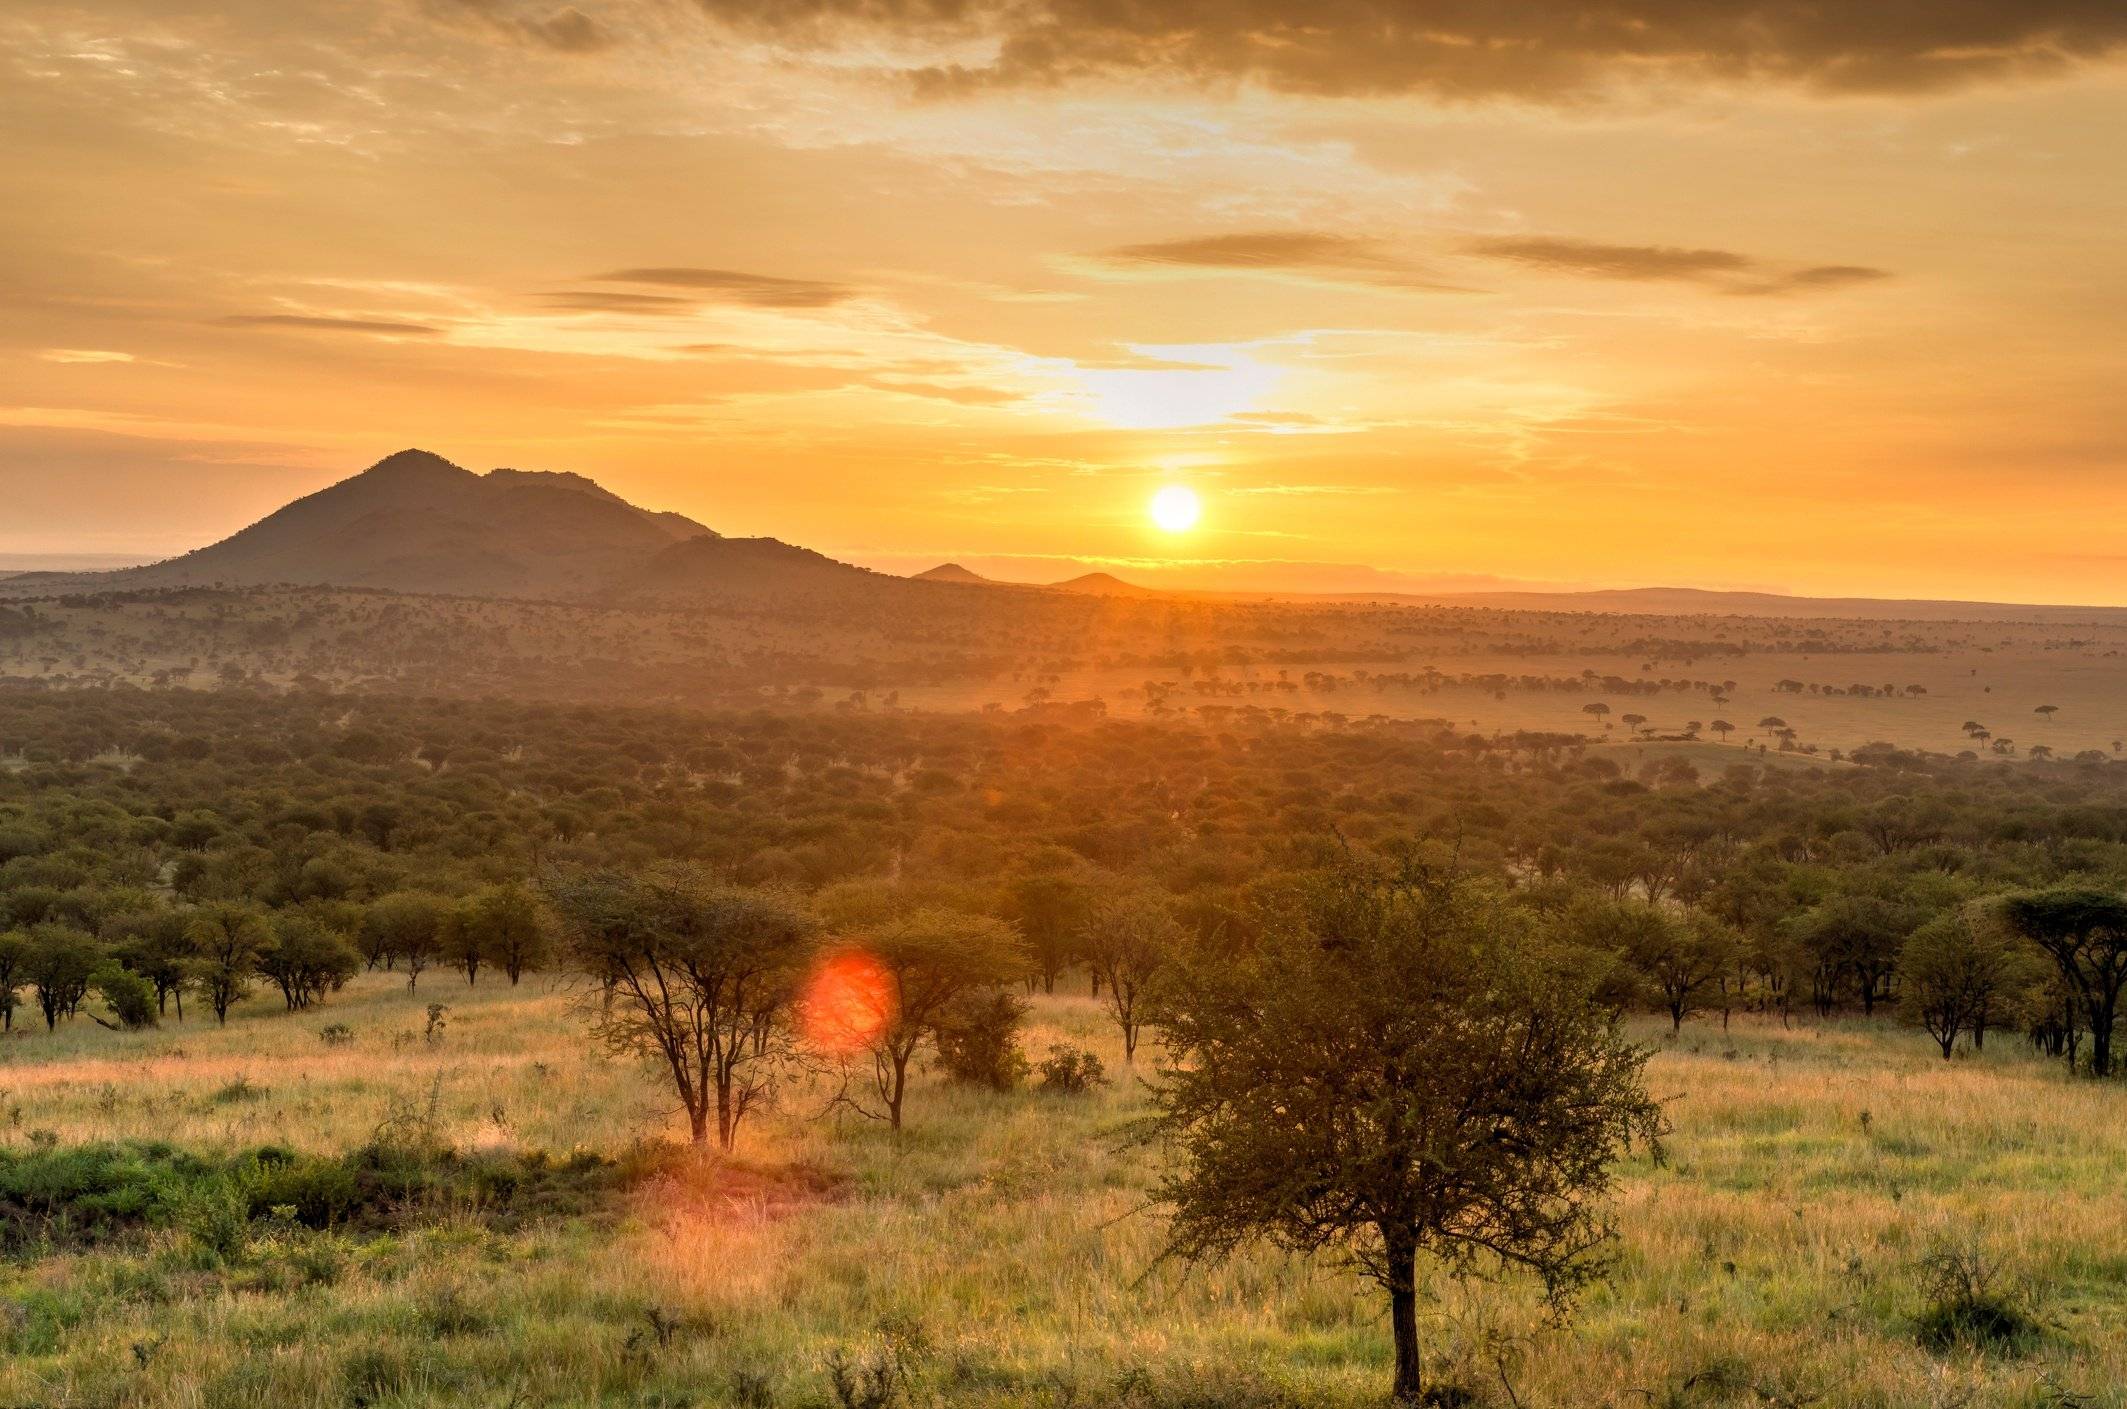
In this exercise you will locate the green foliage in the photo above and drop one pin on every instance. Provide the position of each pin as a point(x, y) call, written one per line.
point(130, 998)
point(1401, 1065)
point(978, 1040)
point(1071, 1071)
point(85, 1195)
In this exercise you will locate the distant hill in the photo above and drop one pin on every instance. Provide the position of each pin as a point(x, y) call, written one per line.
point(953, 572)
point(1103, 584)
point(1695, 601)
point(710, 567)
point(415, 522)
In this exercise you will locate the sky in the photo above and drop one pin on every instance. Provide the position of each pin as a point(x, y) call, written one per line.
point(1734, 293)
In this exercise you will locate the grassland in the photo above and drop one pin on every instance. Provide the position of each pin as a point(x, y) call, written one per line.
point(1002, 1247)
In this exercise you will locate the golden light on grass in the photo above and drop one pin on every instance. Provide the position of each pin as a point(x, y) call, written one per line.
point(1175, 508)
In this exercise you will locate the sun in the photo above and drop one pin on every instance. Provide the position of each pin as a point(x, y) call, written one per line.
point(1175, 508)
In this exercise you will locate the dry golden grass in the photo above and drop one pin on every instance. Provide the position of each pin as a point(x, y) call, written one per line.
point(1007, 1241)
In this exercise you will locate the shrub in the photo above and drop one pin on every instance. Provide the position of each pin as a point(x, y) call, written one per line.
point(978, 1041)
point(1071, 1071)
point(130, 997)
point(1968, 1306)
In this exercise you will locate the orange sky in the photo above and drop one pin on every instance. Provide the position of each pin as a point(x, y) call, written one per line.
point(1658, 291)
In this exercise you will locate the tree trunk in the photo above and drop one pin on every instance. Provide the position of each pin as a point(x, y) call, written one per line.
point(727, 1120)
point(1403, 1318)
point(698, 1123)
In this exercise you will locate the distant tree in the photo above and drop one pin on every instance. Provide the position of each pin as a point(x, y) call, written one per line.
point(2047, 711)
point(1049, 909)
point(930, 962)
point(695, 973)
point(1856, 936)
point(14, 973)
point(408, 926)
point(1681, 958)
point(1128, 937)
point(2084, 932)
point(505, 925)
point(61, 961)
point(227, 939)
point(305, 960)
point(1957, 971)
point(154, 943)
point(1395, 1069)
point(1723, 728)
point(130, 998)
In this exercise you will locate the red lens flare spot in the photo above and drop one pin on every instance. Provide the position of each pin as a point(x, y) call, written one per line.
point(848, 1002)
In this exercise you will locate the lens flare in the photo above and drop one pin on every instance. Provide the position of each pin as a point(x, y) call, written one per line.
point(847, 1003)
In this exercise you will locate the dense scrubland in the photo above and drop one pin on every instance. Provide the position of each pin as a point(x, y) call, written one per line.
point(419, 1154)
point(2042, 685)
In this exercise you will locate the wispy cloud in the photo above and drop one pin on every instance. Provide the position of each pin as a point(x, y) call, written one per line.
point(1727, 270)
point(317, 323)
point(1310, 254)
point(733, 286)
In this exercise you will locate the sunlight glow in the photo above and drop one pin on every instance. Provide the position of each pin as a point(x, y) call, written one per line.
point(1175, 508)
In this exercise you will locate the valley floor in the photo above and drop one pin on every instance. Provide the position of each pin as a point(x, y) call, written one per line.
point(1001, 1250)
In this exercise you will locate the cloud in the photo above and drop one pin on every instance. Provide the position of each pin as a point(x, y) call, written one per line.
point(1602, 261)
point(1549, 50)
point(567, 30)
point(1732, 272)
point(731, 286)
point(614, 301)
point(328, 325)
point(81, 356)
point(1822, 276)
point(1313, 253)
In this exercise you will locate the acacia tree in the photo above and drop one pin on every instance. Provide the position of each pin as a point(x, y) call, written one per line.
point(929, 962)
point(61, 961)
point(1682, 959)
point(1399, 1066)
point(2084, 932)
point(1127, 939)
point(503, 924)
point(155, 944)
point(695, 973)
point(306, 960)
point(1955, 971)
point(1049, 908)
point(227, 940)
point(14, 972)
point(406, 926)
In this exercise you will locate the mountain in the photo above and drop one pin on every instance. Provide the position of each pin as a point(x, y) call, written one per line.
point(1102, 584)
point(415, 522)
point(952, 572)
point(706, 568)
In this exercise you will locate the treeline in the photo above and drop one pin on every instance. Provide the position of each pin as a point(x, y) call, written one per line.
point(204, 843)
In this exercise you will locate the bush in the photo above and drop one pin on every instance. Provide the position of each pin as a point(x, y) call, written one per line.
point(130, 997)
point(1071, 1071)
point(1968, 1307)
point(978, 1041)
point(87, 1195)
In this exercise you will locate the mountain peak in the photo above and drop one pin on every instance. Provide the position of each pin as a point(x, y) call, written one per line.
point(950, 572)
point(1105, 584)
point(411, 462)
